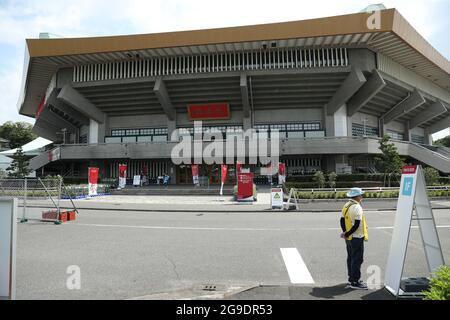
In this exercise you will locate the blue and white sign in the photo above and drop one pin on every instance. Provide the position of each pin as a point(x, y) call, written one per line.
point(413, 195)
point(408, 186)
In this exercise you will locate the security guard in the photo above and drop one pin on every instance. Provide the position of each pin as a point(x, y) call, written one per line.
point(354, 231)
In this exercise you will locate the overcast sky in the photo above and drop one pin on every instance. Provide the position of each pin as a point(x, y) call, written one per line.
point(27, 18)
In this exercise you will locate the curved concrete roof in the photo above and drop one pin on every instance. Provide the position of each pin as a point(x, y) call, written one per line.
point(395, 38)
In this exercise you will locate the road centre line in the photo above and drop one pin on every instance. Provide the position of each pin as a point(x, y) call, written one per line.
point(223, 229)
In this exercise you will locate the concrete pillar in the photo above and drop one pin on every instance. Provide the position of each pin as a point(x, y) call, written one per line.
point(93, 131)
point(381, 128)
point(338, 124)
point(407, 136)
point(171, 127)
point(428, 138)
point(247, 123)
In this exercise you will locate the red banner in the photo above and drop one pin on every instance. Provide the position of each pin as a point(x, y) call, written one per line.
point(194, 168)
point(224, 173)
point(409, 169)
point(122, 170)
point(245, 186)
point(282, 169)
point(238, 167)
point(93, 181)
point(122, 175)
point(211, 111)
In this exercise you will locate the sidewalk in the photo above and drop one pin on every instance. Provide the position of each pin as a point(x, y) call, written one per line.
point(338, 292)
point(212, 204)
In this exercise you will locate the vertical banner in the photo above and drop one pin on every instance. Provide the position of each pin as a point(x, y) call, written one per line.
point(122, 175)
point(93, 181)
point(238, 168)
point(281, 173)
point(195, 179)
point(245, 187)
point(224, 170)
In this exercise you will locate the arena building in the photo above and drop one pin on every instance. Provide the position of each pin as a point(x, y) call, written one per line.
point(331, 86)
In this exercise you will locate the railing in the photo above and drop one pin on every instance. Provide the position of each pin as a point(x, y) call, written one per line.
point(271, 58)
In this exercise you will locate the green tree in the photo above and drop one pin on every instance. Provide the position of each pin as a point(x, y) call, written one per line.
point(18, 133)
point(332, 177)
point(445, 142)
point(431, 176)
point(389, 162)
point(319, 179)
point(19, 165)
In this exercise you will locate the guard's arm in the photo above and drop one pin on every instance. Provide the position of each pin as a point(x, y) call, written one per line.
point(343, 225)
point(353, 229)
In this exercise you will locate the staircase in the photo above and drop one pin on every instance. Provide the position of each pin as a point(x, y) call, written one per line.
point(436, 157)
point(44, 158)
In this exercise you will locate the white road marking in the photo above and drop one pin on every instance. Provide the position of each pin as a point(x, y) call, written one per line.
point(297, 270)
point(221, 229)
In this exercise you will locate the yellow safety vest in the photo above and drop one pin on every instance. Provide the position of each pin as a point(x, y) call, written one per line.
point(348, 222)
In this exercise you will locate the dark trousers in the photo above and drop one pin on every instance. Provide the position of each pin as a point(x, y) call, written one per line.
point(355, 253)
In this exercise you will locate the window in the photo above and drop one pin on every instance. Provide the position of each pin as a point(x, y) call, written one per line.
point(395, 135)
point(417, 139)
point(136, 135)
point(359, 130)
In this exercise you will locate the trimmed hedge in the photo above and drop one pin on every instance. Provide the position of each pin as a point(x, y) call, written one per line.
point(367, 195)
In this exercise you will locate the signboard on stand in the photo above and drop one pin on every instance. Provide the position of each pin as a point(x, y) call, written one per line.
point(93, 181)
point(276, 198)
point(245, 187)
point(413, 204)
point(8, 231)
point(137, 181)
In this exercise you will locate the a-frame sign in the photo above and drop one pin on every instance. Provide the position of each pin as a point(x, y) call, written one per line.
point(412, 198)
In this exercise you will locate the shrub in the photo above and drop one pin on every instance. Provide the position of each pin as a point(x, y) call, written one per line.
point(431, 176)
point(319, 179)
point(439, 285)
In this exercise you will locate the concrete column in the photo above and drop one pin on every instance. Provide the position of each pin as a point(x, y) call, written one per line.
point(407, 136)
point(93, 131)
point(338, 124)
point(247, 123)
point(381, 128)
point(428, 138)
point(171, 127)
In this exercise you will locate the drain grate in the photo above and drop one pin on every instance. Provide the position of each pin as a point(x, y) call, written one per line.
point(209, 288)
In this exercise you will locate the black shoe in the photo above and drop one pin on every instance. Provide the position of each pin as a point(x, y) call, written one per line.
point(359, 286)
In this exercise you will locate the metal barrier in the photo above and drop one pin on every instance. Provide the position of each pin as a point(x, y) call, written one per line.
point(36, 188)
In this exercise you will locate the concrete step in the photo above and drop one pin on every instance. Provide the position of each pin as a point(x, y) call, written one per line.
point(173, 191)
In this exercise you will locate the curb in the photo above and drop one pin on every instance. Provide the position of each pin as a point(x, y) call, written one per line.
point(218, 211)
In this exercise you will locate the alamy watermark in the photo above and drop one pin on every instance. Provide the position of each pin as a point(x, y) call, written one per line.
point(210, 146)
point(73, 282)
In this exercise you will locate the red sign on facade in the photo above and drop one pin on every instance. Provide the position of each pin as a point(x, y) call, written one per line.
point(210, 111)
point(245, 186)
point(409, 169)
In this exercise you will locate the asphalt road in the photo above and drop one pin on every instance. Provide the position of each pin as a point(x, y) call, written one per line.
point(124, 255)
